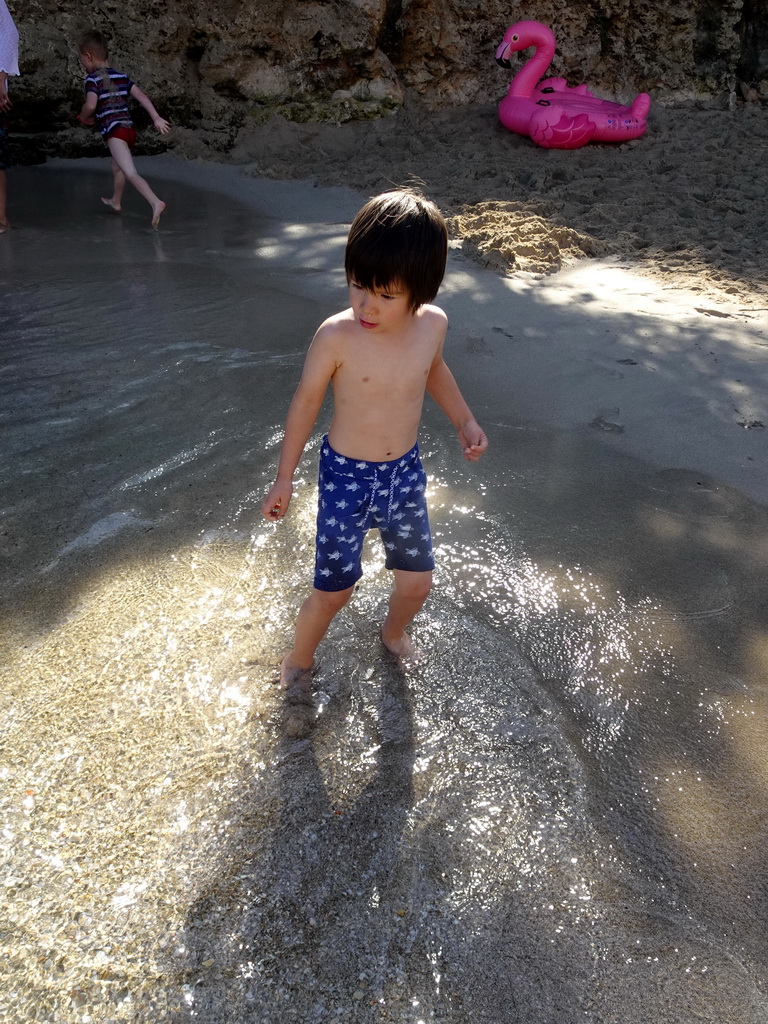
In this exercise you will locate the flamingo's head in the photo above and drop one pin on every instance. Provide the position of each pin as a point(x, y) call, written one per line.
point(520, 36)
point(502, 56)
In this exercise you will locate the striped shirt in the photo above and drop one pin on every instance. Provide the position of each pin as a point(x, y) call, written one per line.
point(112, 89)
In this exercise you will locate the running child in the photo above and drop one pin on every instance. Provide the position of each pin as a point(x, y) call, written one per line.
point(381, 355)
point(106, 104)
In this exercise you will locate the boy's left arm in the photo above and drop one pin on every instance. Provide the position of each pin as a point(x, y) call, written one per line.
point(159, 122)
point(442, 387)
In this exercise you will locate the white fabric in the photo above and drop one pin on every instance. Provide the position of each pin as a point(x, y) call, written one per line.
point(9, 42)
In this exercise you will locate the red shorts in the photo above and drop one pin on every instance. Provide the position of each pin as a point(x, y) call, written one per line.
point(126, 134)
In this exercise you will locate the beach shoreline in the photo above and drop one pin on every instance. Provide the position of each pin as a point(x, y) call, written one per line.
point(687, 200)
point(656, 363)
point(565, 802)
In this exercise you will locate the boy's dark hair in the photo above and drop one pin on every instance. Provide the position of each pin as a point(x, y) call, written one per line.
point(93, 42)
point(398, 237)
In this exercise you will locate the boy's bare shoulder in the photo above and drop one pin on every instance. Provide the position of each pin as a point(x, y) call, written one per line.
point(432, 310)
point(434, 316)
point(340, 321)
point(335, 327)
point(332, 332)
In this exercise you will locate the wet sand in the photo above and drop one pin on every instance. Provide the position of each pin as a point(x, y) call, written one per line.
point(686, 203)
point(560, 816)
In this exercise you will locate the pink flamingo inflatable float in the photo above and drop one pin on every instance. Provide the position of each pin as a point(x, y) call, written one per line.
point(551, 113)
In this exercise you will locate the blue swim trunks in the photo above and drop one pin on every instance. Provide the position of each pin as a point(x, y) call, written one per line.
point(355, 496)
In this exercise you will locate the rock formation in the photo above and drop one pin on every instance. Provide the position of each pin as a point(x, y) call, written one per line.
point(216, 65)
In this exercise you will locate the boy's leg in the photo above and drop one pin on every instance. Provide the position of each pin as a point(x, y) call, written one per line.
point(314, 618)
point(121, 154)
point(118, 186)
point(409, 594)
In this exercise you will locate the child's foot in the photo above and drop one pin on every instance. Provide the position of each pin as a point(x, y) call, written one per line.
point(294, 676)
point(111, 204)
point(404, 650)
point(298, 721)
point(299, 705)
point(157, 209)
point(4, 225)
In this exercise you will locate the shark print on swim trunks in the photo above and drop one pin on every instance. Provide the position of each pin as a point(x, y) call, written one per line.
point(355, 496)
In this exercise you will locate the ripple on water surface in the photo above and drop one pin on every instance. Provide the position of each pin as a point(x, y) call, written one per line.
point(559, 816)
point(513, 802)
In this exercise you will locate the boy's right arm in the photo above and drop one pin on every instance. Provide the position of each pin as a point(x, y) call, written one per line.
point(88, 109)
point(319, 366)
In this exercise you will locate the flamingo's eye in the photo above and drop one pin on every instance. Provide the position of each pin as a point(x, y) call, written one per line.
point(515, 38)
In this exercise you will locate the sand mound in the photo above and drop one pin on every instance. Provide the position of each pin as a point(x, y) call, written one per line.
point(686, 201)
point(508, 237)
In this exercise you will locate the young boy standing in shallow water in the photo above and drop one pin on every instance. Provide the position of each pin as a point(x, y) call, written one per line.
point(381, 355)
point(106, 103)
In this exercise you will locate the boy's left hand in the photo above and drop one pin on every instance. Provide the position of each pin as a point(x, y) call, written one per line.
point(473, 441)
point(162, 125)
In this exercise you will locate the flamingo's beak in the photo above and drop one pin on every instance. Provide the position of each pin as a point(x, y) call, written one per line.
point(501, 56)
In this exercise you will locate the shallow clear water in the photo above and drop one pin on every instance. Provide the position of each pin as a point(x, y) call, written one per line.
point(560, 816)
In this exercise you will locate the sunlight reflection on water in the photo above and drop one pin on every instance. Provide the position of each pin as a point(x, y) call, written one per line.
point(560, 814)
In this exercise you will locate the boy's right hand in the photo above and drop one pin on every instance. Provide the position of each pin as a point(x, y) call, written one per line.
point(277, 500)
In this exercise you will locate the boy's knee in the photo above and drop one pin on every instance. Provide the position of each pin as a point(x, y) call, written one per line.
point(332, 600)
point(415, 586)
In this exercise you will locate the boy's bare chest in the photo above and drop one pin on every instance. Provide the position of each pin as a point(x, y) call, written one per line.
point(374, 370)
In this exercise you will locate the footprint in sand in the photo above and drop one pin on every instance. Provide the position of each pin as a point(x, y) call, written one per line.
point(606, 420)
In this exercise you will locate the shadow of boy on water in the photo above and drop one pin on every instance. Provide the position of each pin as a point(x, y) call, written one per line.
point(317, 866)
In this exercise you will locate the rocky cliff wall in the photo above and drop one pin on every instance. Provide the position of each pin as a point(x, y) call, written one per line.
point(215, 66)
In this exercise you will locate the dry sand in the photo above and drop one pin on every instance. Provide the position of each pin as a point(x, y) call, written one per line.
point(173, 857)
point(628, 292)
point(687, 200)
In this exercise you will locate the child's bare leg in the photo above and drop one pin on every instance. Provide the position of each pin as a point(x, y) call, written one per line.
point(118, 186)
point(121, 154)
point(314, 618)
point(409, 594)
point(4, 225)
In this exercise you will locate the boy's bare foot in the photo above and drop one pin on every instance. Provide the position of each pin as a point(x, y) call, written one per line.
point(156, 211)
point(292, 676)
point(4, 225)
point(404, 650)
point(111, 204)
point(298, 721)
point(299, 705)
